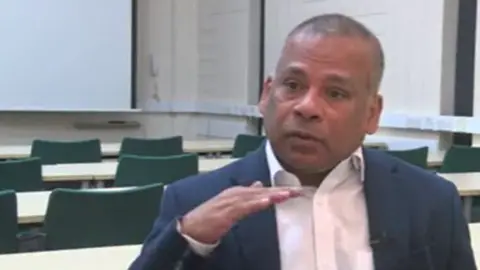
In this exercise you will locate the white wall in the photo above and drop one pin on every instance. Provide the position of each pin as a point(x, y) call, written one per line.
point(206, 50)
point(476, 93)
point(228, 66)
point(163, 25)
point(419, 45)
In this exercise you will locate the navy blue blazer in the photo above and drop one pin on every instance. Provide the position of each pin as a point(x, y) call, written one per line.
point(415, 221)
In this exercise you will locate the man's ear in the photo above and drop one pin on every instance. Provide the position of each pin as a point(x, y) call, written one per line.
point(375, 114)
point(264, 97)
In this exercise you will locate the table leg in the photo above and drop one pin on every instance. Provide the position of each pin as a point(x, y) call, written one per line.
point(85, 184)
point(467, 207)
point(100, 184)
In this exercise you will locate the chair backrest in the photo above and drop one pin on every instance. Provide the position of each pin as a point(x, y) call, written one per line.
point(8, 222)
point(21, 175)
point(416, 156)
point(142, 170)
point(81, 219)
point(245, 143)
point(152, 147)
point(58, 152)
point(460, 159)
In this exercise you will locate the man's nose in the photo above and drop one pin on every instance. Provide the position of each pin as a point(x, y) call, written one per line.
point(310, 106)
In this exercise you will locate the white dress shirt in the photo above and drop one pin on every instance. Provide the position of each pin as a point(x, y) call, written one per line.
point(327, 228)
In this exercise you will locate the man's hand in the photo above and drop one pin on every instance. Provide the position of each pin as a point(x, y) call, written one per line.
point(210, 221)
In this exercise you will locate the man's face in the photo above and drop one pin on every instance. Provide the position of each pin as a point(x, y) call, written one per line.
point(321, 102)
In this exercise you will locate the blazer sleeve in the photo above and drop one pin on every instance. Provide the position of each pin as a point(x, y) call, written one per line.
point(165, 248)
point(461, 256)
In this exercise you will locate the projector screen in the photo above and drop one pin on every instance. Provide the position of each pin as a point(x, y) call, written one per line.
point(66, 54)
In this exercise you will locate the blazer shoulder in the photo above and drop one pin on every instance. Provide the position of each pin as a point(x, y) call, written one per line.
point(424, 181)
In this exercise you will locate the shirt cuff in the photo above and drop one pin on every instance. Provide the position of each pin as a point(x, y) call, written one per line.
point(198, 248)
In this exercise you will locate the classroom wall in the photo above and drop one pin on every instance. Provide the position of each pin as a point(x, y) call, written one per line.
point(174, 49)
point(420, 61)
point(203, 50)
point(476, 94)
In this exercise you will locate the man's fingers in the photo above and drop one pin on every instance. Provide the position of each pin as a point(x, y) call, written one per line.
point(264, 200)
point(281, 196)
point(254, 205)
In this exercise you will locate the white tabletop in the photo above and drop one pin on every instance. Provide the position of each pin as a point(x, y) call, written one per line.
point(475, 240)
point(32, 206)
point(106, 170)
point(112, 149)
point(468, 184)
point(105, 258)
point(115, 258)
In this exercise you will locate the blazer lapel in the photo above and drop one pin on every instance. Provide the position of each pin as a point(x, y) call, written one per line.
point(257, 234)
point(388, 218)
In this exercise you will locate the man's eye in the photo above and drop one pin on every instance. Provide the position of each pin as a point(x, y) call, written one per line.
point(292, 85)
point(337, 93)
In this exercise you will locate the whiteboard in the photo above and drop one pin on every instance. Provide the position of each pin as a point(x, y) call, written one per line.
point(412, 35)
point(65, 54)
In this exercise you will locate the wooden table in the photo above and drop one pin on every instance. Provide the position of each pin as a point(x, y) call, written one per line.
point(475, 240)
point(468, 185)
point(106, 170)
point(32, 206)
point(116, 258)
point(105, 258)
point(112, 149)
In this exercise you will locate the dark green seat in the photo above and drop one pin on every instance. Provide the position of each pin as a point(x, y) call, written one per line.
point(141, 170)
point(81, 219)
point(152, 147)
point(58, 152)
point(245, 143)
point(21, 175)
point(416, 156)
point(462, 159)
point(459, 159)
point(8, 222)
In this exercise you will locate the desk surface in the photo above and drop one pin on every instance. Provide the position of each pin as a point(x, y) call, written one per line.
point(106, 170)
point(475, 240)
point(106, 258)
point(32, 206)
point(112, 149)
point(194, 146)
point(468, 184)
point(114, 258)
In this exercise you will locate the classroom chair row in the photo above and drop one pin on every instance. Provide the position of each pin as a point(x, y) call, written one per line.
point(88, 151)
point(84, 218)
point(457, 159)
point(24, 175)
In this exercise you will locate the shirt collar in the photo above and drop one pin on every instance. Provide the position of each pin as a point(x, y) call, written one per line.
point(356, 160)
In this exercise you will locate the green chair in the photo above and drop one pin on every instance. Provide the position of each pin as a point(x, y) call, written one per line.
point(152, 147)
point(81, 219)
point(459, 159)
point(417, 156)
point(58, 152)
point(21, 175)
point(8, 222)
point(245, 143)
point(141, 170)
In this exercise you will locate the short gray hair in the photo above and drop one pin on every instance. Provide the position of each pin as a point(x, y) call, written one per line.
point(338, 24)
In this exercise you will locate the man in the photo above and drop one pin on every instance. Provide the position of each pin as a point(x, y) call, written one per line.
point(311, 197)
